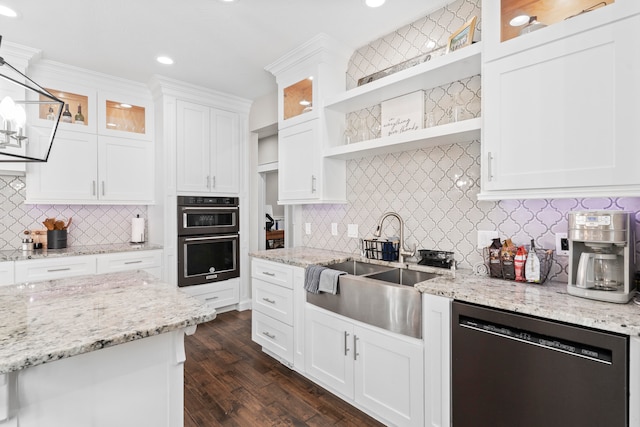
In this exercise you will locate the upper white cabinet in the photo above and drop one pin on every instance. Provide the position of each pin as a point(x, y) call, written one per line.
point(208, 150)
point(104, 152)
point(560, 106)
point(305, 77)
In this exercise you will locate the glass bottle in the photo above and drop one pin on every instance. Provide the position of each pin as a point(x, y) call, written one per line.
point(79, 118)
point(51, 115)
point(66, 115)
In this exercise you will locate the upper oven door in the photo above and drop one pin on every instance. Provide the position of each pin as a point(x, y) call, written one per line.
point(207, 220)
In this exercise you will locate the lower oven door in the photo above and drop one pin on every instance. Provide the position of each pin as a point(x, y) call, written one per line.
point(206, 259)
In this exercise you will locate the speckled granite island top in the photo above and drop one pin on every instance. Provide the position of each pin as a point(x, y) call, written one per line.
point(76, 250)
point(549, 300)
point(51, 320)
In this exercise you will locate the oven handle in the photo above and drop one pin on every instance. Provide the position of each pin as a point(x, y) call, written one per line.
point(226, 236)
point(210, 208)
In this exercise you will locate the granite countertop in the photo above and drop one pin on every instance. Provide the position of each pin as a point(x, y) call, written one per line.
point(76, 250)
point(52, 320)
point(549, 300)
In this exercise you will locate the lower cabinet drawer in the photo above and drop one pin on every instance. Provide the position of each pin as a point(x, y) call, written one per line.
point(124, 261)
point(273, 300)
point(272, 335)
point(48, 269)
point(6, 273)
point(217, 294)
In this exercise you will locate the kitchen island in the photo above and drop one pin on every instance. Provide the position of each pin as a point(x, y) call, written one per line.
point(98, 350)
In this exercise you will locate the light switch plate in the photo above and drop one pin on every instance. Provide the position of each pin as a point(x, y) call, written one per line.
point(562, 244)
point(334, 228)
point(485, 238)
point(307, 227)
point(352, 230)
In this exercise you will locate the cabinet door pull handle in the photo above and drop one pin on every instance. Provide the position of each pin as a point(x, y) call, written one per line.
point(93, 188)
point(133, 262)
point(313, 183)
point(267, 273)
point(268, 335)
point(355, 347)
point(103, 188)
point(53, 270)
point(489, 168)
point(213, 185)
point(208, 181)
point(270, 301)
point(346, 349)
point(211, 298)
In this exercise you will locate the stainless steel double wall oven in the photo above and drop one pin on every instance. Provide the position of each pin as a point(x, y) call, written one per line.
point(208, 239)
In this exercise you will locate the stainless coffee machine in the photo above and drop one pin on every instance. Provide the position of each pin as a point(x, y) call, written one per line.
point(602, 255)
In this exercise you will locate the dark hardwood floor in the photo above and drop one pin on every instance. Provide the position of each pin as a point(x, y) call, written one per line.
point(229, 381)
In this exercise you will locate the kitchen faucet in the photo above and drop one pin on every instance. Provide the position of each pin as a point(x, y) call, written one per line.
point(402, 251)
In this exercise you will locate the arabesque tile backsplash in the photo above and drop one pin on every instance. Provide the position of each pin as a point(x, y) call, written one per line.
point(435, 189)
point(92, 224)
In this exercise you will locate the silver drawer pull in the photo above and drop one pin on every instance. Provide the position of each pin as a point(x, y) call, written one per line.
point(133, 262)
point(268, 335)
point(211, 298)
point(58, 269)
point(267, 273)
point(270, 301)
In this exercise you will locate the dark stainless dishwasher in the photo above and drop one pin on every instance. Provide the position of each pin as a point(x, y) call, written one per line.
point(513, 370)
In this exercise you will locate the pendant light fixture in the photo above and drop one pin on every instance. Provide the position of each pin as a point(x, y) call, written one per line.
point(22, 99)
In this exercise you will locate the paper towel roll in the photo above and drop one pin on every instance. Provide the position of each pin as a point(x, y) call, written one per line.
point(137, 230)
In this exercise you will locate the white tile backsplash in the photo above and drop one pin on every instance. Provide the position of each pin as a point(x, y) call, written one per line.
point(435, 189)
point(92, 224)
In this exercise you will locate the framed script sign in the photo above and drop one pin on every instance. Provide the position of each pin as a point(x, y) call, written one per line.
point(403, 114)
point(462, 37)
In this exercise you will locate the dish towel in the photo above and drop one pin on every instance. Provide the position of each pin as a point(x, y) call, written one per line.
point(329, 280)
point(312, 278)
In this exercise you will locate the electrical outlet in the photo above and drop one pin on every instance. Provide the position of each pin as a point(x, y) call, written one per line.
point(562, 244)
point(485, 238)
point(352, 230)
point(334, 229)
point(307, 227)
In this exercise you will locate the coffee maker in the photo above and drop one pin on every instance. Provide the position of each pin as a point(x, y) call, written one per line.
point(602, 255)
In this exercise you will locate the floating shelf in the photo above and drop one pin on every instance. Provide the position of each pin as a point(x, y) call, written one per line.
point(451, 133)
point(437, 72)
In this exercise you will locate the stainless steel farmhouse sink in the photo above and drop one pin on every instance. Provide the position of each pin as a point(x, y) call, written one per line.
point(402, 276)
point(377, 295)
point(358, 268)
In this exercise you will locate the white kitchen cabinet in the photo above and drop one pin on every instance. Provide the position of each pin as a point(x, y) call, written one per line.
point(559, 116)
point(276, 321)
point(86, 168)
point(7, 273)
point(218, 295)
point(208, 154)
point(306, 76)
point(380, 372)
point(149, 261)
point(34, 270)
point(436, 325)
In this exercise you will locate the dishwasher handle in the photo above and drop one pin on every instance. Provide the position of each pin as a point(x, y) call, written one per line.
point(573, 348)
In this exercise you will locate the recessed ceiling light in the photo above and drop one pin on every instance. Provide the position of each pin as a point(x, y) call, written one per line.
point(519, 20)
point(227, 1)
point(6, 11)
point(374, 3)
point(164, 60)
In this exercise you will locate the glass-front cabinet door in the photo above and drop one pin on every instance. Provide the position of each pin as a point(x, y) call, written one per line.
point(298, 98)
point(123, 116)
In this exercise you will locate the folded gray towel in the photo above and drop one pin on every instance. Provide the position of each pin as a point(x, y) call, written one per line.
point(329, 280)
point(312, 278)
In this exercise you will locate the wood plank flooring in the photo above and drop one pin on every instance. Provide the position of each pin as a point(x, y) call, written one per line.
point(229, 381)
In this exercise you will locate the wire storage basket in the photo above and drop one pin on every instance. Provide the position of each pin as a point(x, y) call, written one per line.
point(381, 249)
point(499, 270)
